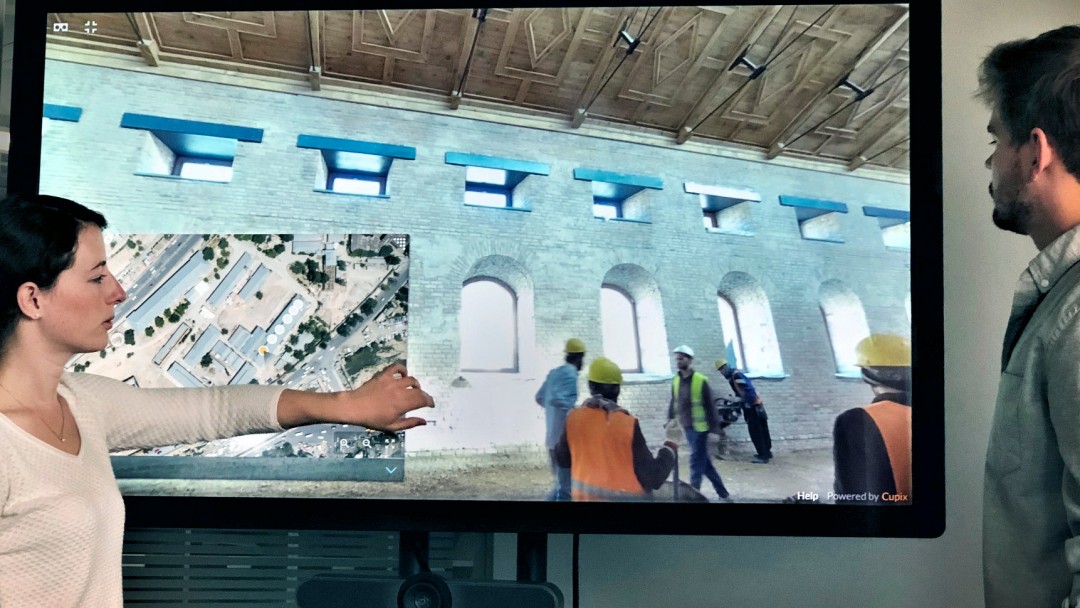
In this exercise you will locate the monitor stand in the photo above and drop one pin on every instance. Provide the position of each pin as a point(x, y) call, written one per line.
point(416, 587)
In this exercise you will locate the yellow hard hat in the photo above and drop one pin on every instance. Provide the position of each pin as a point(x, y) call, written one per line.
point(721, 363)
point(883, 350)
point(604, 371)
point(573, 345)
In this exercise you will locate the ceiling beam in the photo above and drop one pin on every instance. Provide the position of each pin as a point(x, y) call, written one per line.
point(698, 110)
point(472, 29)
point(315, 71)
point(776, 146)
point(602, 64)
point(150, 49)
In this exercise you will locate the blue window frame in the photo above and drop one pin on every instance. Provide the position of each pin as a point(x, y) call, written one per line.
point(189, 149)
point(352, 166)
point(818, 220)
point(488, 196)
point(711, 218)
point(612, 194)
point(490, 180)
point(54, 111)
point(607, 208)
point(895, 226)
point(487, 187)
point(356, 182)
point(204, 169)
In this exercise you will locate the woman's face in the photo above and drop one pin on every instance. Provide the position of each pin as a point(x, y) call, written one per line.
point(77, 312)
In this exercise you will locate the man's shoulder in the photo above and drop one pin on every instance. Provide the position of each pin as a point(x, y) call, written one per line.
point(566, 370)
point(856, 417)
point(558, 370)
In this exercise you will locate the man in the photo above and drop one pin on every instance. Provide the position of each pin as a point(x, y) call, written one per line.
point(1031, 506)
point(692, 402)
point(757, 421)
point(872, 444)
point(558, 395)
point(604, 448)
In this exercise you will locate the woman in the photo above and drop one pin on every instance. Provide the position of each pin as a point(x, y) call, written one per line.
point(61, 514)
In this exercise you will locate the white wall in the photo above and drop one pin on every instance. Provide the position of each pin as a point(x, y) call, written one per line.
point(979, 260)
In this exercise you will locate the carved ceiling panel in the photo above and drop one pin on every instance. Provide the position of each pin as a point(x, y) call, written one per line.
point(693, 72)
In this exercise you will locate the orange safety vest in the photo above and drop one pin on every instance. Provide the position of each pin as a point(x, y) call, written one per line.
point(601, 455)
point(894, 423)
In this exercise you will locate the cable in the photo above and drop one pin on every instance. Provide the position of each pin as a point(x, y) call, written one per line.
point(576, 563)
point(480, 14)
point(606, 81)
point(827, 11)
point(760, 70)
point(419, 554)
point(722, 103)
point(629, 51)
point(642, 34)
point(134, 26)
point(859, 97)
point(902, 141)
point(628, 26)
point(311, 42)
point(791, 18)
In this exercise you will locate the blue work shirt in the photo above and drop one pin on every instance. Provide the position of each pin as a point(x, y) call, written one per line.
point(558, 395)
point(747, 393)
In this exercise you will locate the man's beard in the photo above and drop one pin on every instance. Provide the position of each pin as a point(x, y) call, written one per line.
point(1011, 214)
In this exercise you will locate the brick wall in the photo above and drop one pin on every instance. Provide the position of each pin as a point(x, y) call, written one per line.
point(562, 250)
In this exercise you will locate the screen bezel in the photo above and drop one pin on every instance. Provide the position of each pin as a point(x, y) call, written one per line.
point(924, 518)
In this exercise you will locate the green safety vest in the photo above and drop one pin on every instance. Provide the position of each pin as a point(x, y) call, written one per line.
point(697, 408)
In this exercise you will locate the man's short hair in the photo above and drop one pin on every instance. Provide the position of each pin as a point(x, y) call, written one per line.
point(1036, 83)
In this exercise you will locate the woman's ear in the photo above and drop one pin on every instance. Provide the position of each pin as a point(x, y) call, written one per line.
point(28, 296)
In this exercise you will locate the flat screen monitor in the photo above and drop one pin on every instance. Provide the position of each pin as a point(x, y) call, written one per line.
point(298, 195)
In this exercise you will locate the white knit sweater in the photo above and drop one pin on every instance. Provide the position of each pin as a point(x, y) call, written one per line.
point(62, 517)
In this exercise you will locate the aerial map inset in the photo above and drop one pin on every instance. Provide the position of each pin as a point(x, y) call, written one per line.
point(314, 312)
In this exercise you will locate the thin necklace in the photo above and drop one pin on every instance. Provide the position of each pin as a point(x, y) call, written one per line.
point(59, 435)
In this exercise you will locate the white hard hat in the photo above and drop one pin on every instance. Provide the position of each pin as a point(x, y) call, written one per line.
point(686, 350)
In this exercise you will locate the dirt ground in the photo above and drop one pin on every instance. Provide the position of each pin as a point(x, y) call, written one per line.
point(499, 477)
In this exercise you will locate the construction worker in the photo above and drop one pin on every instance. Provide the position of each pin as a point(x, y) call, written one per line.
point(604, 448)
point(558, 395)
point(692, 402)
point(753, 410)
point(872, 444)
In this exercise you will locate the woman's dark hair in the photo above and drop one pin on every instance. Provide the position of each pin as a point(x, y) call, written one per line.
point(38, 236)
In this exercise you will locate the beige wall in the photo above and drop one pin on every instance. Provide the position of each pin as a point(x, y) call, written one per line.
point(667, 571)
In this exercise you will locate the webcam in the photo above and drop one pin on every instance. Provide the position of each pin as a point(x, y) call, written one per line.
point(424, 590)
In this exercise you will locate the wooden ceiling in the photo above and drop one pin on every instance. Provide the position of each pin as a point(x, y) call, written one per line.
point(572, 63)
